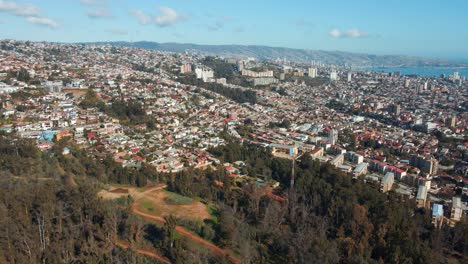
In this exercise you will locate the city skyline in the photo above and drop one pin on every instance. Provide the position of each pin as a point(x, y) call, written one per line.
point(420, 28)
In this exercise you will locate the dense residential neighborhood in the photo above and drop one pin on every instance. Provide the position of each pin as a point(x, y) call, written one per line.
point(403, 134)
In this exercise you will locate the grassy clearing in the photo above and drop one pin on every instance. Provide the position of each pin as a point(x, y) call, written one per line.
point(177, 199)
point(163, 203)
point(147, 205)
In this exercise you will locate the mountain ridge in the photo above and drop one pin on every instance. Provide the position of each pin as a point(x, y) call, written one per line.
point(341, 58)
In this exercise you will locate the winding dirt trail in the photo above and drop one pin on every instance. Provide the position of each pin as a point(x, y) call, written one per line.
point(145, 253)
point(183, 231)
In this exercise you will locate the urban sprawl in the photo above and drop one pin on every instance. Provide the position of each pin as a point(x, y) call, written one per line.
point(403, 133)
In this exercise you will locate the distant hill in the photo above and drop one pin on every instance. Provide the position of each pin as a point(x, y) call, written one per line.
point(296, 55)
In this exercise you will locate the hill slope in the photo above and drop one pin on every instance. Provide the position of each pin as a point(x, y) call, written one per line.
point(297, 55)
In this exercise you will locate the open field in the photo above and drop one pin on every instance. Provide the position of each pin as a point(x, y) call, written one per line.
point(163, 203)
point(159, 202)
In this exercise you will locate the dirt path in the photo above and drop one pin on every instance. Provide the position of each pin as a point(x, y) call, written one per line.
point(137, 196)
point(145, 253)
point(183, 231)
point(215, 249)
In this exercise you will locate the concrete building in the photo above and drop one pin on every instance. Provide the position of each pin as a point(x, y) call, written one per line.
point(317, 153)
point(265, 81)
point(437, 215)
point(387, 182)
point(204, 73)
point(313, 72)
point(221, 81)
point(333, 76)
point(421, 197)
point(350, 77)
point(338, 160)
point(457, 212)
point(361, 169)
point(333, 136)
point(53, 86)
point(185, 68)
point(428, 165)
point(395, 109)
point(451, 122)
point(240, 66)
point(354, 157)
point(255, 74)
point(4, 88)
point(283, 149)
point(407, 83)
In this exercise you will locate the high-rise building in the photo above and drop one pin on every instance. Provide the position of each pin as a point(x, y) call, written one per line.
point(350, 76)
point(333, 76)
point(420, 89)
point(457, 210)
point(185, 68)
point(427, 165)
point(387, 182)
point(312, 72)
point(451, 121)
point(240, 65)
point(395, 109)
point(204, 73)
point(333, 136)
point(407, 83)
point(437, 215)
point(456, 76)
point(421, 196)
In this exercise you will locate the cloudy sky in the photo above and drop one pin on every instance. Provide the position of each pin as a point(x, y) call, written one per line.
point(436, 28)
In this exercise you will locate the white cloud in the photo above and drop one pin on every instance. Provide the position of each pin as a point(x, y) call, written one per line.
point(356, 33)
point(98, 13)
point(7, 6)
point(27, 10)
point(352, 33)
point(31, 12)
point(42, 21)
point(97, 8)
point(141, 16)
point(335, 33)
point(168, 17)
point(19, 10)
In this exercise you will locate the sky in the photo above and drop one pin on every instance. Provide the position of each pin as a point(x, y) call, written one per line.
point(430, 28)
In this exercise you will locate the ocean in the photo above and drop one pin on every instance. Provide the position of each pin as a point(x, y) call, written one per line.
point(436, 72)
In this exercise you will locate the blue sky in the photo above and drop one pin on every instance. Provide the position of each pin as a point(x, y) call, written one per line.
point(435, 28)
